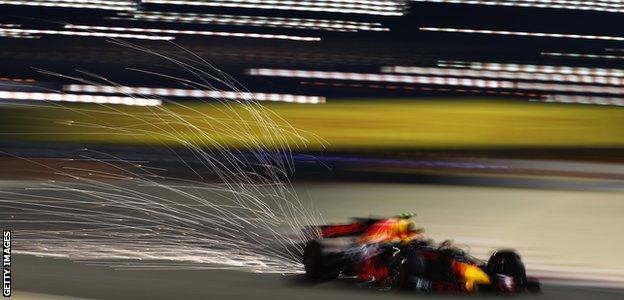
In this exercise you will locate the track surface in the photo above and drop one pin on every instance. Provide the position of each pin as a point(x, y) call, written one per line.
point(61, 277)
point(542, 224)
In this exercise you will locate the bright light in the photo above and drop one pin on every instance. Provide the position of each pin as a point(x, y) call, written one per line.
point(84, 4)
point(383, 78)
point(546, 69)
point(523, 33)
point(507, 74)
point(386, 8)
point(84, 33)
point(146, 91)
point(195, 32)
point(596, 5)
point(582, 55)
point(57, 97)
point(435, 80)
point(259, 21)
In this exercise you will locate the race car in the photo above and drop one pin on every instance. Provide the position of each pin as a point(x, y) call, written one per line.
point(415, 263)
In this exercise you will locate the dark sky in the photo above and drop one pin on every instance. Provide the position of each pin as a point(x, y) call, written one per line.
point(362, 51)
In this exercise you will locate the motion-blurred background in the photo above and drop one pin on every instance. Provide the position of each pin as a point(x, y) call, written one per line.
point(499, 122)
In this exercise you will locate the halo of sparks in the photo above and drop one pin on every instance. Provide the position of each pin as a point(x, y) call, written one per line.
point(128, 215)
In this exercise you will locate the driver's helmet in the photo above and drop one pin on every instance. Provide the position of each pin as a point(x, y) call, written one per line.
point(406, 215)
point(405, 224)
point(411, 227)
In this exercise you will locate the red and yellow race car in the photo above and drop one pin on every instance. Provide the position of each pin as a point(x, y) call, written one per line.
point(392, 253)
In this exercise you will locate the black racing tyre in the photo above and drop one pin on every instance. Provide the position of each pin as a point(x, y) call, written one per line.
point(408, 271)
point(508, 263)
point(317, 266)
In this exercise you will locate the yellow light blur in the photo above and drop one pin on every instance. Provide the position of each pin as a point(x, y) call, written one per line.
point(336, 125)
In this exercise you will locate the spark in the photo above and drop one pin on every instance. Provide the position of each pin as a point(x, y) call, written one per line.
point(236, 210)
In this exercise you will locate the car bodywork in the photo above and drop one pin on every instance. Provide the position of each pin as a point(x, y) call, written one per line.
point(417, 265)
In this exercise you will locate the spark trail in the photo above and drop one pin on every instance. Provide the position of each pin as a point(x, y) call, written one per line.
point(237, 209)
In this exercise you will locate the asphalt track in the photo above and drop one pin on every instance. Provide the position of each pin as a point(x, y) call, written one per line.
point(37, 278)
point(537, 220)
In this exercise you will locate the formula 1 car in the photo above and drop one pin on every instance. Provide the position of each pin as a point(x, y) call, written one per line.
point(418, 265)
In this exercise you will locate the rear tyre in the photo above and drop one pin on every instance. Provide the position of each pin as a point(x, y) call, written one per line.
point(409, 271)
point(317, 266)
